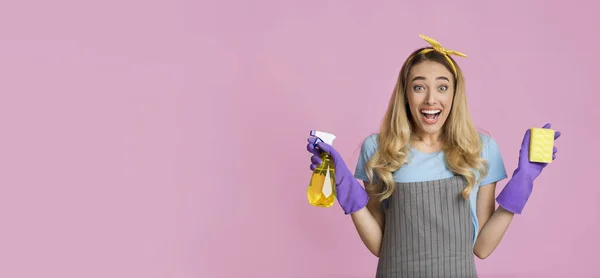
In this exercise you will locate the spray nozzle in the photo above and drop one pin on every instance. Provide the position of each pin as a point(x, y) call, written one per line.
point(323, 136)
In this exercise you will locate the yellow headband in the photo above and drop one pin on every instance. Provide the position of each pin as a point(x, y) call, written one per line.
point(438, 47)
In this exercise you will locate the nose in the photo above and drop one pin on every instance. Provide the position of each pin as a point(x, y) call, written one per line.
point(430, 100)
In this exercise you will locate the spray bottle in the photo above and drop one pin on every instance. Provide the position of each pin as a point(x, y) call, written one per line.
point(321, 190)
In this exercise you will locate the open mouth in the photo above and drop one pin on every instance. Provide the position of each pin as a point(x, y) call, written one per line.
point(431, 116)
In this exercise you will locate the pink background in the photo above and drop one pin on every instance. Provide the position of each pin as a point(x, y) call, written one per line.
point(139, 137)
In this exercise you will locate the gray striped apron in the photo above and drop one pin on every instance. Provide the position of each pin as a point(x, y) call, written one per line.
point(428, 231)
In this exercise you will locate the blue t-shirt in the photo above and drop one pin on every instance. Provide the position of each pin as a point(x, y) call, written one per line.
point(431, 166)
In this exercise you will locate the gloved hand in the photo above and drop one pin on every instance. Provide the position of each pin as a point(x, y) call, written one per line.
point(350, 194)
point(517, 191)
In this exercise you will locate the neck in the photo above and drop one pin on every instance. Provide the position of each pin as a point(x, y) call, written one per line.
point(427, 138)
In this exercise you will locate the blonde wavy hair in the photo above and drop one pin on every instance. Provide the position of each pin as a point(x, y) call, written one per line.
point(461, 142)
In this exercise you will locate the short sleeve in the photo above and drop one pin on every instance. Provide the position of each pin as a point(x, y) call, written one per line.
point(491, 153)
point(367, 150)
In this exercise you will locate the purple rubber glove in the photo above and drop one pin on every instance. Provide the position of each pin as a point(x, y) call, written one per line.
point(517, 191)
point(350, 194)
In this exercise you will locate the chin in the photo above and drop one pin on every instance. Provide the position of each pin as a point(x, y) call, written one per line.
point(431, 129)
point(431, 125)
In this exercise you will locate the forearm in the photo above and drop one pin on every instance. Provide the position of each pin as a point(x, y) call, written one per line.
point(492, 232)
point(368, 229)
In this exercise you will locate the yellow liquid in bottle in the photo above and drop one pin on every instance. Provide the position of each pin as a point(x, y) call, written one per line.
point(321, 190)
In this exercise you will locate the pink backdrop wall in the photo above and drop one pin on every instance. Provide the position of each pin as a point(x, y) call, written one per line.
point(139, 137)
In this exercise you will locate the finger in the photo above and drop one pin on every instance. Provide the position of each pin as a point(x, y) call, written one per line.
point(311, 149)
point(313, 167)
point(324, 147)
point(554, 150)
point(553, 156)
point(548, 125)
point(556, 135)
point(313, 140)
point(312, 145)
point(315, 159)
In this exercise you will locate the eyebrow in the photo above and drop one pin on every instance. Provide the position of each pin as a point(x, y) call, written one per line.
point(423, 78)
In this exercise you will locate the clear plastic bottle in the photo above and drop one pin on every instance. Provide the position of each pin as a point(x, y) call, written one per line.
point(321, 189)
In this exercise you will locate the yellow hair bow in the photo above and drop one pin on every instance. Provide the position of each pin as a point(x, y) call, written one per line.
point(439, 48)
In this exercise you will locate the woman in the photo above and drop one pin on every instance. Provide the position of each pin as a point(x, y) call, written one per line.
point(427, 206)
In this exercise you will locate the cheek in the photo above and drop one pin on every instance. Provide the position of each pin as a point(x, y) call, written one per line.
point(413, 100)
point(446, 100)
point(412, 104)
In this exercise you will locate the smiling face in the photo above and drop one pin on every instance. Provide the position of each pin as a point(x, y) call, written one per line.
point(430, 92)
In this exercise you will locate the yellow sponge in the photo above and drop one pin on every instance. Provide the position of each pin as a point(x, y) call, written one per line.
point(541, 145)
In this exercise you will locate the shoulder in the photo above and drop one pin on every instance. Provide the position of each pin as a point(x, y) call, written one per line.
point(368, 147)
point(489, 146)
point(370, 142)
point(367, 150)
point(486, 139)
point(491, 153)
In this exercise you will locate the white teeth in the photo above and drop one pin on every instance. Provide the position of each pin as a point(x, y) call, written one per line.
point(431, 111)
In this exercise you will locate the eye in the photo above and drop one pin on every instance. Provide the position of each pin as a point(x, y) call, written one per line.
point(418, 87)
point(443, 88)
